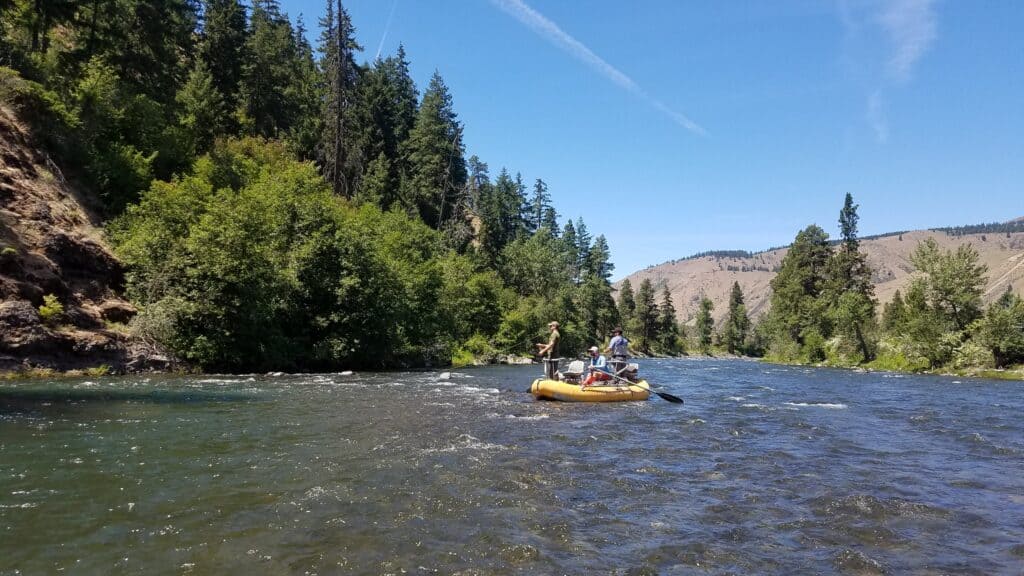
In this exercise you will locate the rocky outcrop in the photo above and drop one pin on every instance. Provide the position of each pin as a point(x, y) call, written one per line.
point(51, 244)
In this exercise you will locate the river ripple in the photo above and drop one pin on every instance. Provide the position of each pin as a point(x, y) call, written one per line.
point(765, 469)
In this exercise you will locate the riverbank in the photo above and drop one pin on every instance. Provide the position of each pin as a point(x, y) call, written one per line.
point(1012, 373)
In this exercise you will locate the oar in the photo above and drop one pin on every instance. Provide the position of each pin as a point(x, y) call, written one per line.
point(664, 395)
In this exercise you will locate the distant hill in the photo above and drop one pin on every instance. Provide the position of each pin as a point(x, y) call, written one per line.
point(1000, 245)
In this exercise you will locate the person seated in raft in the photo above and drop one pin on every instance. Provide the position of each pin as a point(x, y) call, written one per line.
point(598, 368)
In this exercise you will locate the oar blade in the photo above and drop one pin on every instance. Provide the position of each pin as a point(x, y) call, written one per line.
point(669, 397)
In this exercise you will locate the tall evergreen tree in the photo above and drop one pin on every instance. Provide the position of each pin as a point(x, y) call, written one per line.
point(797, 315)
point(569, 240)
point(337, 43)
point(384, 115)
point(202, 107)
point(705, 324)
point(646, 315)
point(668, 328)
point(582, 249)
point(627, 303)
point(222, 47)
point(737, 323)
point(894, 314)
point(540, 203)
point(267, 71)
point(433, 155)
point(850, 291)
point(599, 259)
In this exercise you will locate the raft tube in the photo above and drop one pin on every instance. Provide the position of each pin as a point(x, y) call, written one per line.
point(545, 389)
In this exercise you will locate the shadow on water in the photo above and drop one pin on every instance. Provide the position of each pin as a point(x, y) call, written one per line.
point(20, 401)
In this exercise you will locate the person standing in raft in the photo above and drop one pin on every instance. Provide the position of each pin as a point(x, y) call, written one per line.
point(550, 352)
point(619, 348)
point(598, 368)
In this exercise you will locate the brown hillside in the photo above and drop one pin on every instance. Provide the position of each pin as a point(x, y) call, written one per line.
point(888, 256)
point(49, 244)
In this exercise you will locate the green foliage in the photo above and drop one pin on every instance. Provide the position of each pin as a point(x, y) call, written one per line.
point(646, 316)
point(953, 281)
point(239, 255)
point(51, 310)
point(202, 108)
point(737, 323)
point(705, 325)
point(796, 309)
point(1001, 330)
point(433, 156)
point(537, 265)
point(898, 354)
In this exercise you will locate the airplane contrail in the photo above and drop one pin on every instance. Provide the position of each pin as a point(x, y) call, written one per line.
point(563, 40)
point(387, 28)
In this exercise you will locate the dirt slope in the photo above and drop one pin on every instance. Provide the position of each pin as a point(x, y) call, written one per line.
point(889, 257)
point(50, 244)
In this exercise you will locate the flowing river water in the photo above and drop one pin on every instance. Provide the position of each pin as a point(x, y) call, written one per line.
point(765, 470)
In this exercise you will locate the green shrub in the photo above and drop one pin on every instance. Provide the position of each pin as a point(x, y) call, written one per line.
point(97, 371)
point(970, 354)
point(51, 310)
point(462, 357)
point(899, 355)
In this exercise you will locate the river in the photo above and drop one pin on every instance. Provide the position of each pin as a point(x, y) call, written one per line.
point(766, 469)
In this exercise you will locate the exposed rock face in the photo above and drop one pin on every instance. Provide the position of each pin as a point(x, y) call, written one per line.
point(50, 244)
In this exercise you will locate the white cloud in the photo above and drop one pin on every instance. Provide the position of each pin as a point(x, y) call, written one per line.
point(554, 34)
point(912, 28)
point(876, 116)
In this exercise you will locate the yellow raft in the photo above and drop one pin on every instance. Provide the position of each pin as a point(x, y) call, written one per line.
point(545, 389)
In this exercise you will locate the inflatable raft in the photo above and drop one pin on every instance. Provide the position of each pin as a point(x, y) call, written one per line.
point(545, 389)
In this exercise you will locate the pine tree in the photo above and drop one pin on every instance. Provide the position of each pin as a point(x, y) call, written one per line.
point(894, 314)
point(668, 328)
point(646, 315)
point(383, 115)
point(337, 43)
point(499, 215)
point(433, 155)
point(477, 183)
point(797, 315)
point(599, 259)
point(705, 324)
point(627, 303)
point(571, 246)
point(202, 107)
point(737, 323)
point(222, 47)
point(582, 249)
point(540, 204)
point(550, 220)
point(270, 52)
point(850, 291)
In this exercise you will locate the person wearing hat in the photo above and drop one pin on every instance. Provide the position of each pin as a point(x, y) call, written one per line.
point(598, 367)
point(550, 350)
point(619, 346)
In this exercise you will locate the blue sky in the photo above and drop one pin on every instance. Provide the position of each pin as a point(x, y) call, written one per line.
point(676, 127)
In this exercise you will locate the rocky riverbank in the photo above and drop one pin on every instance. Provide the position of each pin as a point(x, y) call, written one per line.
point(51, 246)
